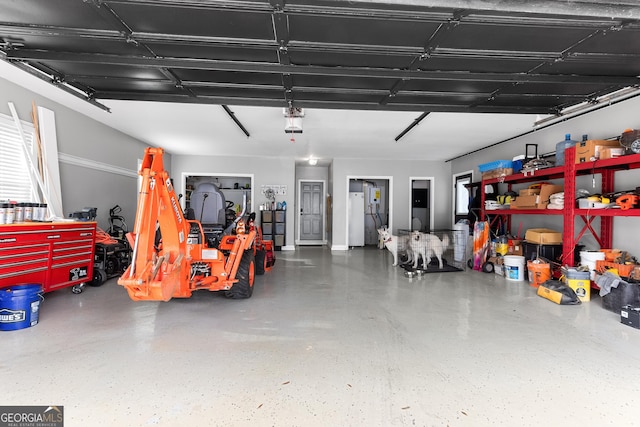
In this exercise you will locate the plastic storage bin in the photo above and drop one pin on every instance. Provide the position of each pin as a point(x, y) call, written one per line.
point(624, 294)
point(551, 252)
point(497, 164)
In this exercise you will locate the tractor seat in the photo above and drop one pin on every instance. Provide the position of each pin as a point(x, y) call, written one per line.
point(208, 204)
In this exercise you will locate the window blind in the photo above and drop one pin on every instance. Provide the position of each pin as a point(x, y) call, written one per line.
point(15, 183)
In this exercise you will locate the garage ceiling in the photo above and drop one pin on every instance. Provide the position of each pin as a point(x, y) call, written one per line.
point(422, 56)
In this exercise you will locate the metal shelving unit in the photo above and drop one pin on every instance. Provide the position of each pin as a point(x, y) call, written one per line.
point(569, 171)
point(273, 223)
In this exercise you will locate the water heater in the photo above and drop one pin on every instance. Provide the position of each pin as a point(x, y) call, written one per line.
point(374, 195)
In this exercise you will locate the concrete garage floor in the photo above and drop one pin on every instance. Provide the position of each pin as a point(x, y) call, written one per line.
point(329, 340)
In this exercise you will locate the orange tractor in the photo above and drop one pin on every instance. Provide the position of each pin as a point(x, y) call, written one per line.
point(171, 257)
point(264, 252)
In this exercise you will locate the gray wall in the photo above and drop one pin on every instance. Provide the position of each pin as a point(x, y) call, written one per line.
point(266, 171)
point(99, 148)
point(400, 197)
point(601, 124)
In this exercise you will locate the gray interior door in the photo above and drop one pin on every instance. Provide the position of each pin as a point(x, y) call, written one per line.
point(420, 205)
point(311, 195)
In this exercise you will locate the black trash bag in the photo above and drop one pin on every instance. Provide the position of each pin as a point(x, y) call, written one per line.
point(558, 292)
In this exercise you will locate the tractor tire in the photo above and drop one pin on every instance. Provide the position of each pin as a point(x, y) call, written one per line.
point(243, 288)
point(261, 261)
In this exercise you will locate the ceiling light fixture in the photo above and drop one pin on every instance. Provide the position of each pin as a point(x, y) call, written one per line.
point(313, 161)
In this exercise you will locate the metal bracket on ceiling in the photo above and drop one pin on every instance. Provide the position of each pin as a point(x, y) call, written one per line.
point(287, 84)
point(131, 40)
point(429, 47)
point(277, 5)
point(57, 81)
point(443, 29)
point(235, 120)
point(281, 35)
point(415, 123)
point(110, 15)
point(177, 82)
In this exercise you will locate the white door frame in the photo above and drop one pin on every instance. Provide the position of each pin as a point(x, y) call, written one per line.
point(432, 186)
point(453, 199)
point(323, 213)
point(346, 202)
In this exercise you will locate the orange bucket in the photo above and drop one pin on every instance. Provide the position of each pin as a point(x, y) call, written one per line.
point(539, 272)
point(611, 254)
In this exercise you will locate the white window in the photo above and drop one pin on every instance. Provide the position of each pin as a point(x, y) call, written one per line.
point(15, 180)
point(462, 195)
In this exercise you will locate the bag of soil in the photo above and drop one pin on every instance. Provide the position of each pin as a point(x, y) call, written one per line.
point(558, 292)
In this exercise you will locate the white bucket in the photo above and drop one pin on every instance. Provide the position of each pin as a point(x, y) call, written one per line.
point(514, 268)
point(589, 259)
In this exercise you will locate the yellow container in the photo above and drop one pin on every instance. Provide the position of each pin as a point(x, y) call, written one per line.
point(502, 246)
point(582, 288)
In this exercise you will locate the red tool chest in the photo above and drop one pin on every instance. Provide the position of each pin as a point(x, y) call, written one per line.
point(54, 254)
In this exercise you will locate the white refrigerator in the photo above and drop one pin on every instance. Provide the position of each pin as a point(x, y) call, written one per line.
point(356, 219)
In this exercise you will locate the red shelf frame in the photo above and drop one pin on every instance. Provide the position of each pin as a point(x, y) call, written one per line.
point(606, 168)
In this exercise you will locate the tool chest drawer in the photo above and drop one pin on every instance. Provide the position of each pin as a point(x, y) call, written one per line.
point(53, 254)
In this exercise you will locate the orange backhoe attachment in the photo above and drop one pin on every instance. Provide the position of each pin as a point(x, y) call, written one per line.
point(170, 255)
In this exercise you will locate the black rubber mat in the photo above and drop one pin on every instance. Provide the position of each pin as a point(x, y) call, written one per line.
point(433, 267)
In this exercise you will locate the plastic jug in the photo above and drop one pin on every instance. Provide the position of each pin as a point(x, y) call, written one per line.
point(561, 146)
point(502, 245)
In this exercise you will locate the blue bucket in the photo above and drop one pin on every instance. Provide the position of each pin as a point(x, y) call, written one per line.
point(19, 306)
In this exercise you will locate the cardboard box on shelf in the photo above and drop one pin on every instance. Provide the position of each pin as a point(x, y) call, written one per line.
point(611, 152)
point(524, 202)
point(529, 192)
point(497, 173)
point(546, 190)
point(544, 236)
point(590, 150)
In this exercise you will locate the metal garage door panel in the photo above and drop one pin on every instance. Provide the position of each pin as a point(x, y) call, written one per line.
point(60, 13)
point(350, 59)
point(477, 65)
point(361, 31)
point(203, 50)
point(516, 38)
point(231, 77)
point(179, 19)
